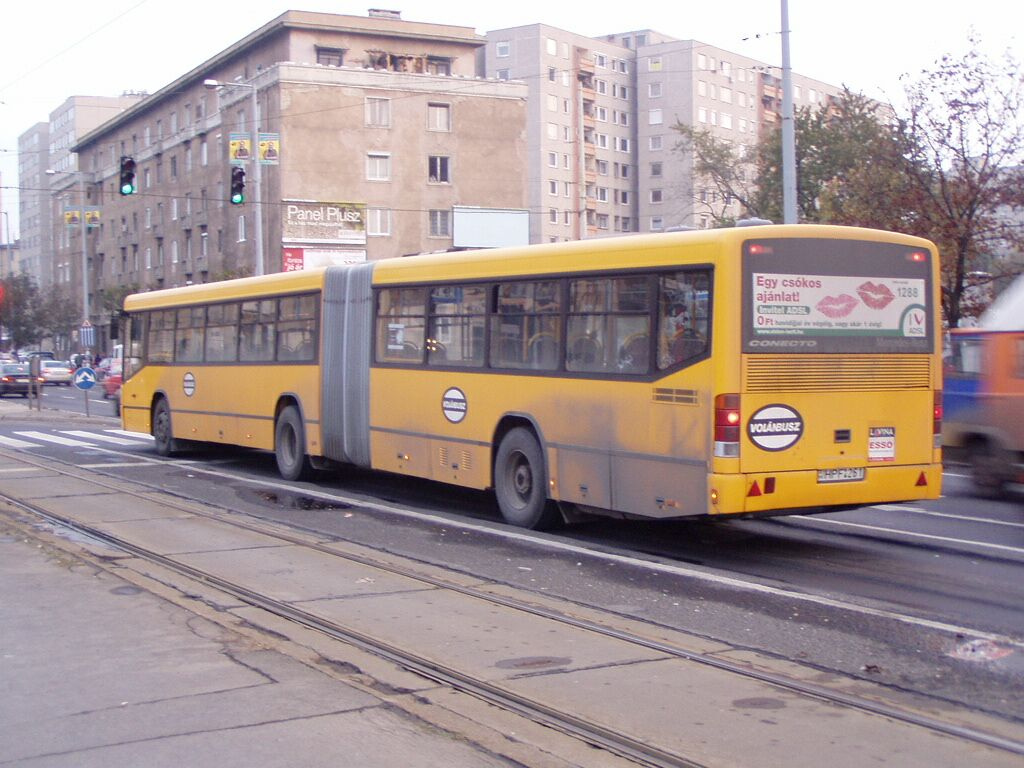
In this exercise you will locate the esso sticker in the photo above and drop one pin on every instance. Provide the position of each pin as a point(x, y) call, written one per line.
point(881, 444)
point(775, 427)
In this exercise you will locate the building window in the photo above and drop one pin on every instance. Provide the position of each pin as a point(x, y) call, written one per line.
point(600, 60)
point(656, 223)
point(378, 167)
point(654, 64)
point(438, 65)
point(552, 159)
point(378, 113)
point(654, 117)
point(654, 90)
point(502, 49)
point(330, 57)
point(552, 74)
point(440, 223)
point(437, 169)
point(655, 195)
point(501, 74)
point(552, 46)
point(378, 222)
point(552, 187)
point(654, 143)
point(553, 215)
point(656, 169)
point(602, 194)
point(439, 117)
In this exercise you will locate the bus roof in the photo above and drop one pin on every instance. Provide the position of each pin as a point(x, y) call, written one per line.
point(269, 285)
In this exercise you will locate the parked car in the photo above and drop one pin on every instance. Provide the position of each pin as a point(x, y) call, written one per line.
point(111, 385)
point(14, 379)
point(56, 372)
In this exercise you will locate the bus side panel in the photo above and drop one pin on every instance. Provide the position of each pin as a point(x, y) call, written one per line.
point(346, 349)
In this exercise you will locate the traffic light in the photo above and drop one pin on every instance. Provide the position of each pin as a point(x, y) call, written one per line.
point(128, 176)
point(237, 185)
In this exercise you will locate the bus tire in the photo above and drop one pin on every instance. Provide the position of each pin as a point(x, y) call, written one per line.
point(520, 482)
point(290, 446)
point(163, 435)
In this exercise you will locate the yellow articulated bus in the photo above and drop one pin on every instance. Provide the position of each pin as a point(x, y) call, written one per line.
point(745, 371)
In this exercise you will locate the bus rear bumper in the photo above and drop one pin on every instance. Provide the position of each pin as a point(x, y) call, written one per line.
point(740, 494)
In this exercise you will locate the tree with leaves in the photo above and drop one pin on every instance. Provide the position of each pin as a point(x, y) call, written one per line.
point(19, 311)
point(59, 316)
point(965, 128)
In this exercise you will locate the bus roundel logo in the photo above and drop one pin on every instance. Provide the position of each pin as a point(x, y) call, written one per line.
point(188, 384)
point(775, 427)
point(453, 405)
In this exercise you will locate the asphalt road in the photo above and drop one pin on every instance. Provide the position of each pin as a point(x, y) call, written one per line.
point(923, 596)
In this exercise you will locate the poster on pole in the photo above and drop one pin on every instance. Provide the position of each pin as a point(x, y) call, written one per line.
point(269, 147)
point(239, 148)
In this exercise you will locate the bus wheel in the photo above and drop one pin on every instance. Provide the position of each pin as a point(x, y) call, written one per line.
point(520, 482)
point(163, 437)
point(290, 446)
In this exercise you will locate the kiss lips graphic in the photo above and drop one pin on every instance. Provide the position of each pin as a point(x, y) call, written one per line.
point(875, 295)
point(836, 306)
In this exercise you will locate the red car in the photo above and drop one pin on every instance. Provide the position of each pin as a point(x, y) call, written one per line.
point(111, 385)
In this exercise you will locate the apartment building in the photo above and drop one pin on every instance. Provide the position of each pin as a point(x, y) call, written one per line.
point(46, 179)
point(602, 150)
point(373, 136)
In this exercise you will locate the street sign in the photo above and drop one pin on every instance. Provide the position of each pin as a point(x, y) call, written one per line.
point(87, 335)
point(85, 378)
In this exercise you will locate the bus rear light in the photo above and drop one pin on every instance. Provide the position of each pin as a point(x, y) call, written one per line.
point(714, 496)
point(727, 425)
point(937, 412)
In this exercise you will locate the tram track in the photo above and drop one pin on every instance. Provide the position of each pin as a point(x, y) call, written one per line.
point(579, 727)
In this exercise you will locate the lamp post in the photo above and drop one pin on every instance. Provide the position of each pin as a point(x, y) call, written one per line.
point(257, 173)
point(82, 228)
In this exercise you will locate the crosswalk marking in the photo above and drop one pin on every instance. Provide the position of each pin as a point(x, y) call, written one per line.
point(13, 442)
point(102, 438)
point(47, 438)
point(126, 433)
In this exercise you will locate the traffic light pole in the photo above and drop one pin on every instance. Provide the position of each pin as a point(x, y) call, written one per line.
point(257, 196)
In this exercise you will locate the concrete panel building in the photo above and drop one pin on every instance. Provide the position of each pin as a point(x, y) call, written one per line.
point(371, 130)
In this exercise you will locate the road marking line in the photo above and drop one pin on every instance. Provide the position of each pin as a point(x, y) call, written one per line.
point(13, 442)
point(929, 513)
point(913, 535)
point(126, 433)
point(56, 439)
point(104, 438)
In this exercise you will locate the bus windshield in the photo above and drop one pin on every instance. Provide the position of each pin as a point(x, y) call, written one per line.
point(836, 296)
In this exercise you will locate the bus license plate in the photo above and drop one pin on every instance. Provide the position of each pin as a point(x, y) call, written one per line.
point(847, 475)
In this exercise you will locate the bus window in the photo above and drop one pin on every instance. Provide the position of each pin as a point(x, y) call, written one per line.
point(256, 340)
point(160, 344)
point(526, 328)
point(222, 333)
point(682, 317)
point(296, 329)
point(458, 317)
point(606, 315)
point(400, 313)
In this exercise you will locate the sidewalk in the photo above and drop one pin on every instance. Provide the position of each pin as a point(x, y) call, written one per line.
point(99, 672)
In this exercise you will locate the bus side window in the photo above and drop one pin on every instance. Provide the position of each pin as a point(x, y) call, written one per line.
point(682, 318)
point(526, 325)
point(400, 319)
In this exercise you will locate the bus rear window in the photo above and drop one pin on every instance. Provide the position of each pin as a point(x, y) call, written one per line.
point(837, 296)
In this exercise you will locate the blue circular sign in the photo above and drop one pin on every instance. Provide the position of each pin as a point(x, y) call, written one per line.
point(85, 378)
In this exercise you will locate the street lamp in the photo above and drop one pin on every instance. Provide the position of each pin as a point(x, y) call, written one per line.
point(256, 196)
point(82, 225)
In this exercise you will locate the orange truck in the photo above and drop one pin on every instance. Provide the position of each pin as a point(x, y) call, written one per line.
point(983, 404)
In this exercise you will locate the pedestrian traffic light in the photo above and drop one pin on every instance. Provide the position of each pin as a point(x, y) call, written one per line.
point(128, 176)
point(237, 185)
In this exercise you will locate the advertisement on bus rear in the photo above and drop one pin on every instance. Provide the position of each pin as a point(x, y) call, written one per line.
point(828, 296)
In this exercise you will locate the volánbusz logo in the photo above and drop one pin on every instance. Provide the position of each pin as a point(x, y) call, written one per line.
point(775, 427)
point(783, 344)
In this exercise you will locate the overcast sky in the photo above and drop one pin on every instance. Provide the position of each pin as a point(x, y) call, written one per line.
point(53, 49)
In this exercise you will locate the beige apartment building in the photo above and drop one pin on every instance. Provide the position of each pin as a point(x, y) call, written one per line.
point(601, 146)
point(375, 139)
